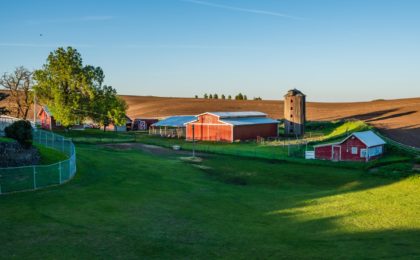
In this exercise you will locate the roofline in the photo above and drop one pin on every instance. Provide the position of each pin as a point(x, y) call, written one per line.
point(345, 139)
point(212, 113)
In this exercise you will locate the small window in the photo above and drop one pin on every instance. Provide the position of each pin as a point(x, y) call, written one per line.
point(291, 108)
point(291, 101)
point(354, 150)
point(291, 116)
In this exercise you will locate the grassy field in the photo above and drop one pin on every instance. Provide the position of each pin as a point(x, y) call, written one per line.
point(49, 155)
point(150, 204)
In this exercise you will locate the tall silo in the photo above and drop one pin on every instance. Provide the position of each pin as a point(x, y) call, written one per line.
point(294, 113)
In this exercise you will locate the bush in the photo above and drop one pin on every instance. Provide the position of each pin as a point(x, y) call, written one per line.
point(21, 131)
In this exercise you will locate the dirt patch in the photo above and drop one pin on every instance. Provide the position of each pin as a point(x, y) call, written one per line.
point(152, 149)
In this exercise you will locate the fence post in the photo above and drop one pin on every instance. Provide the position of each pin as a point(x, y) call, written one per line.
point(34, 171)
point(59, 172)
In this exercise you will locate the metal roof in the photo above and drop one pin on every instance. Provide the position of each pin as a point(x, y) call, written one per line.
point(47, 110)
point(175, 121)
point(369, 138)
point(237, 114)
point(294, 92)
point(249, 121)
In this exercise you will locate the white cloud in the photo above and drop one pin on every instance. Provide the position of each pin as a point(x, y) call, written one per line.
point(239, 9)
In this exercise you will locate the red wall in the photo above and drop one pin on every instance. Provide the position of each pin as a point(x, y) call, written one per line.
point(346, 149)
point(45, 120)
point(208, 132)
point(323, 152)
point(247, 132)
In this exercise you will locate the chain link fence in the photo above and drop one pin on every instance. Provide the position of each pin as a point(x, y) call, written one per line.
point(13, 179)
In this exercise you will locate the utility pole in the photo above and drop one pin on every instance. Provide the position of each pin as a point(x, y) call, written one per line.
point(34, 108)
point(193, 137)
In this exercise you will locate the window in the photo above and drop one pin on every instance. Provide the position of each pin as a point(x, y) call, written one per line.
point(291, 108)
point(57, 123)
point(363, 153)
point(291, 116)
point(354, 150)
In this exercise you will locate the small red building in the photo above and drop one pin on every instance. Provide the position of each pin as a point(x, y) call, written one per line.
point(359, 146)
point(142, 124)
point(47, 120)
point(231, 126)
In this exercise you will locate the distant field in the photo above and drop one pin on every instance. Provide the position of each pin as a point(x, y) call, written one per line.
point(399, 119)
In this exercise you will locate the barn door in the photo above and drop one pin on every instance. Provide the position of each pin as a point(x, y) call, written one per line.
point(336, 153)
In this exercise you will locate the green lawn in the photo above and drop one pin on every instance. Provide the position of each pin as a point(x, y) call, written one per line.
point(135, 204)
point(49, 155)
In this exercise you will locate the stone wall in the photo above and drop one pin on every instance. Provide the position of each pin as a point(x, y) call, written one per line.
point(13, 155)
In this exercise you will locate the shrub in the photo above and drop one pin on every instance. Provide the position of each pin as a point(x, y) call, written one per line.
point(21, 131)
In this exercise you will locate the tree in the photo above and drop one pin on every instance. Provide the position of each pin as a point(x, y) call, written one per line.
point(257, 98)
point(215, 96)
point(223, 96)
point(19, 84)
point(206, 96)
point(211, 96)
point(108, 107)
point(229, 97)
point(245, 97)
point(68, 87)
point(3, 110)
point(196, 96)
point(239, 97)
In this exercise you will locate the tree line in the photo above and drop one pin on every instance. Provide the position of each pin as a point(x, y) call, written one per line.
point(239, 96)
point(72, 91)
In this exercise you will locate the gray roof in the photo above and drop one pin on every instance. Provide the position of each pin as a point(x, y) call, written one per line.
point(369, 138)
point(249, 121)
point(294, 92)
point(47, 110)
point(175, 121)
point(238, 114)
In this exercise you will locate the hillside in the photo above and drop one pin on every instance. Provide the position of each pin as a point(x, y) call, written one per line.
point(399, 119)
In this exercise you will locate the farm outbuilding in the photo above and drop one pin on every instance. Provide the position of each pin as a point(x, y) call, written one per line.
point(359, 146)
point(173, 126)
point(231, 126)
point(143, 124)
point(121, 128)
point(294, 113)
point(47, 120)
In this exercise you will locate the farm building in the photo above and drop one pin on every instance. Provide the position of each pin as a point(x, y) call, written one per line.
point(122, 128)
point(142, 124)
point(47, 120)
point(359, 146)
point(231, 126)
point(173, 126)
point(294, 113)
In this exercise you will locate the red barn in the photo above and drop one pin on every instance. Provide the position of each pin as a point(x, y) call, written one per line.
point(359, 146)
point(231, 126)
point(47, 120)
point(143, 123)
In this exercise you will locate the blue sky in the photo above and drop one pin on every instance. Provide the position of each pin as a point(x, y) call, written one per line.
point(331, 50)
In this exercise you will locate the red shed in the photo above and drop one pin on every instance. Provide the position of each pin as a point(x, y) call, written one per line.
point(47, 120)
point(359, 146)
point(231, 126)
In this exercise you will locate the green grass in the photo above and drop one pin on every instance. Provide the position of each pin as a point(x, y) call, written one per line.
point(134, 204)
point(6, 140)
point(49, 155)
